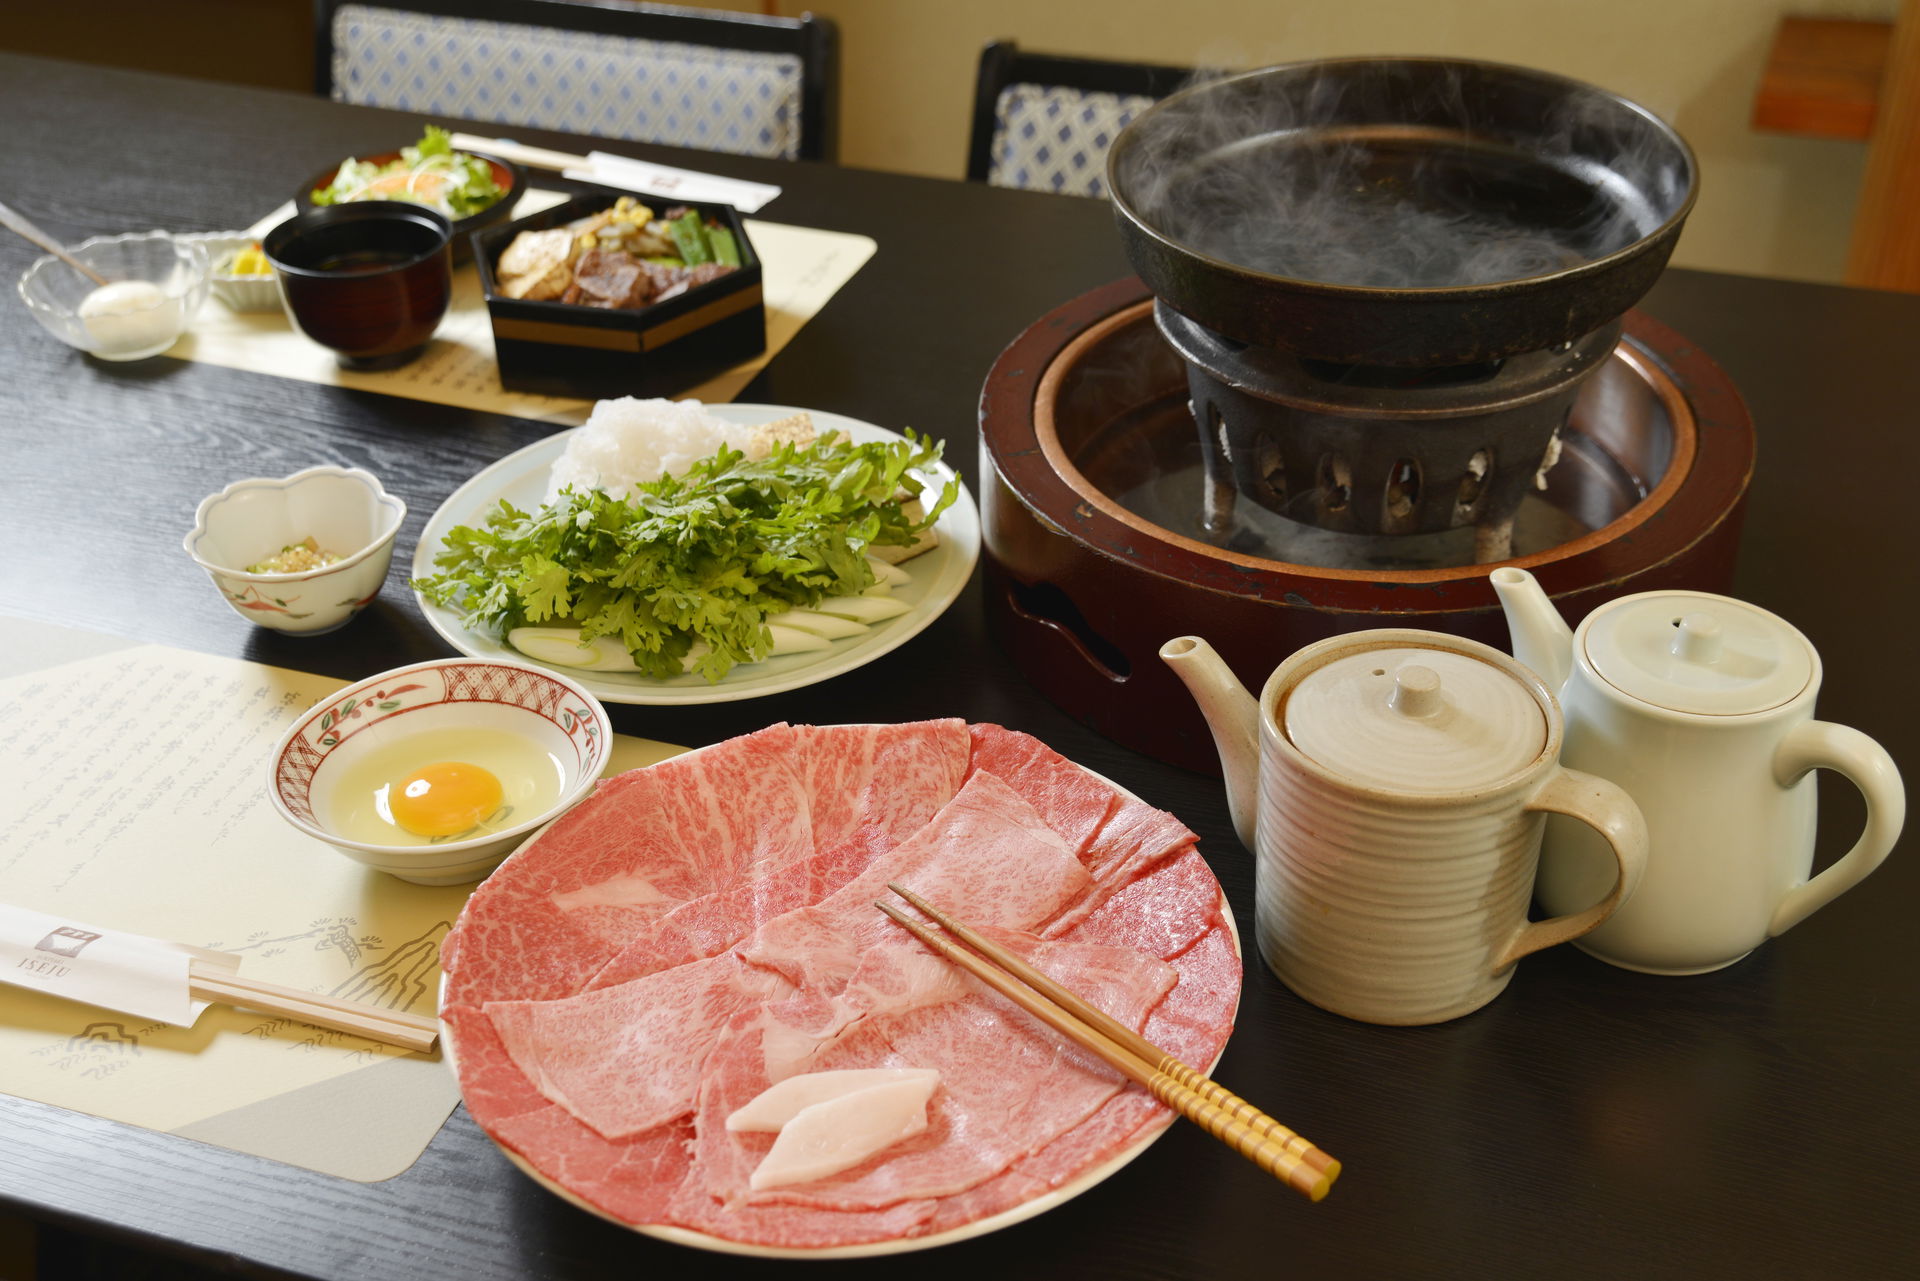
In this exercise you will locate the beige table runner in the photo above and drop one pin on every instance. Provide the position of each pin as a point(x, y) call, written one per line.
point(802, 267)
point(132, 795)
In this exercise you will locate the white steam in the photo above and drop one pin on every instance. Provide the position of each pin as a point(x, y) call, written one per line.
point(1400, 174)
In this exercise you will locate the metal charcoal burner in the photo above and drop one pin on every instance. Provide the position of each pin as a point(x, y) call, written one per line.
point(1377, 451)
point(1092, 499)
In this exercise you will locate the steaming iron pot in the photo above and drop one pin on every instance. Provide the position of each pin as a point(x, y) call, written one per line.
point(1548, 157)
point(1389, 277)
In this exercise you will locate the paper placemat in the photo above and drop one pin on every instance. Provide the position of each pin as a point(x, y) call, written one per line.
point(133, 795)
point(802, 267)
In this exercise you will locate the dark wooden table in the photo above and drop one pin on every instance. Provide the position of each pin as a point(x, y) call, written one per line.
point(1757, 1122)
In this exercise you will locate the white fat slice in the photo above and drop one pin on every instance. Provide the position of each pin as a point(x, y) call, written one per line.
point(823, 625)
point(780, 1102)
point(561, 646)
point(863, 609)
point(836, 1135)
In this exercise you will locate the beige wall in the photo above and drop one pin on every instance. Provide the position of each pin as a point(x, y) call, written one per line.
point(1769, 205)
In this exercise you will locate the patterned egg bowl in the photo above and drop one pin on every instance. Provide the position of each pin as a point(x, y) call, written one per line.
point(451, 707)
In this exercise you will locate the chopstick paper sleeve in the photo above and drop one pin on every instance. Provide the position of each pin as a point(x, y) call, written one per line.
point(126, 973)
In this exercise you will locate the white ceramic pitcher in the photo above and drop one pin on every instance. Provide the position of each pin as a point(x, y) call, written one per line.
point(1392, 785)
point(1701, 707)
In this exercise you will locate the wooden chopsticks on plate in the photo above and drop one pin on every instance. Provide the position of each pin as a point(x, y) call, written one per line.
point(1223, 1114)
point(389, 1027)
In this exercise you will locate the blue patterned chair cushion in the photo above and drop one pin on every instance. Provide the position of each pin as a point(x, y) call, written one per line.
point(1051, 138)
point(608, 86)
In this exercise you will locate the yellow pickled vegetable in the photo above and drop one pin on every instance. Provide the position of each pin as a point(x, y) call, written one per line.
point(250, 262)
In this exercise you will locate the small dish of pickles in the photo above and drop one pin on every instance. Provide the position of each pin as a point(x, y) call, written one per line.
point(242, 277)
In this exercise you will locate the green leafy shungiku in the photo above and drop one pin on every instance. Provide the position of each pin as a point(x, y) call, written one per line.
point(693, 564)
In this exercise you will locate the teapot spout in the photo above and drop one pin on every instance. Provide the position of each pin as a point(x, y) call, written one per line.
point(1541, 638)
point(1234, 717)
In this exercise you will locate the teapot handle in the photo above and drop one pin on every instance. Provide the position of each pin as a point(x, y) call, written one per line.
point(1607, 810)
point(1864, 763)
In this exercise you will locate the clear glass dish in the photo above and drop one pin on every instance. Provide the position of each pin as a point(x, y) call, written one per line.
point(128, 324)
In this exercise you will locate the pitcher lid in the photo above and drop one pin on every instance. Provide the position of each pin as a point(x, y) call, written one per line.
point(1414, 719)
point(1700, 653)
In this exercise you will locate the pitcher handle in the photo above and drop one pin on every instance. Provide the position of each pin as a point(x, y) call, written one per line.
point(1864, 763)
point(1607, 810)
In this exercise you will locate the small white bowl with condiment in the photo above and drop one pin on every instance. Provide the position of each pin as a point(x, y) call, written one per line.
point(243, 281)
point(435, 772)
point(156, 283)
point(245, 537)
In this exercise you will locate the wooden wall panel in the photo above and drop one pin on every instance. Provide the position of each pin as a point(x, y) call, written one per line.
point(1886, 237)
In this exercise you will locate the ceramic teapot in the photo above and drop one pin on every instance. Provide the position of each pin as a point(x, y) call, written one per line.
point(1701, 707)
point(1393, 785)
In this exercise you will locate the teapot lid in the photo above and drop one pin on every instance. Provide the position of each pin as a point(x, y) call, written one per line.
point(1700, 653)
point(1414, 719)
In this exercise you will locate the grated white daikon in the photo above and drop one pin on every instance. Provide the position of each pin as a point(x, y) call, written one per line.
point(628, 442)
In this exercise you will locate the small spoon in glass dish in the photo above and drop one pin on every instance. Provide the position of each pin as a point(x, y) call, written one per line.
point(12, 220)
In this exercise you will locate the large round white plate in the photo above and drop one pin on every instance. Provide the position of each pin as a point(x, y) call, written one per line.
point(521, 479)
point(1091, 1177)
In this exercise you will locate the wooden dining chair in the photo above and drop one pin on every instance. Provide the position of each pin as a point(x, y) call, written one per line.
point(716, 81)
point(1043, 122)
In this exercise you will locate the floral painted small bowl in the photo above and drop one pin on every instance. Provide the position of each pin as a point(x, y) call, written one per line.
point(315, 762)
point(342, 509)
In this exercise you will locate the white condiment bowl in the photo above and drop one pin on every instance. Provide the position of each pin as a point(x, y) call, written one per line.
point(550, 711)
point(257, 293)
point(55, 293)
point(343, 509)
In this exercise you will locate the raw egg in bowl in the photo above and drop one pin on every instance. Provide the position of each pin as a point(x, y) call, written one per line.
point(437, 771)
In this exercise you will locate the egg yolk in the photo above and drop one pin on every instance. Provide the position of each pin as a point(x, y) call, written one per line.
point(444, 799)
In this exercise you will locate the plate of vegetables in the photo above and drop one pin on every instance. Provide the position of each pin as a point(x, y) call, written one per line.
point(471, 189)
point(731, 577)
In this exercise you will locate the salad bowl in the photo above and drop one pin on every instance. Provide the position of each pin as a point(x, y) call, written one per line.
point(509, 178)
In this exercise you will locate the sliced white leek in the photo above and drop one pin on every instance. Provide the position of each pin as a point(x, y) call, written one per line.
point(863, 609)
point(786, 640)
point(791, 640)
point(794, 631)
point(891, 575)
point(561, 646)
point(826, 625)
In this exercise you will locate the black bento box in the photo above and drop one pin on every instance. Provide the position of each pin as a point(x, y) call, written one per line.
point(573, 350)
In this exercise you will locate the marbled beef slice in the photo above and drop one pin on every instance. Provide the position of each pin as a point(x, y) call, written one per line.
point(854, 812)
point(625, 1059)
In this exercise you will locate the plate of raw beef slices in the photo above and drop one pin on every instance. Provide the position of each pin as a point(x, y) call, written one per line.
point(699, 929)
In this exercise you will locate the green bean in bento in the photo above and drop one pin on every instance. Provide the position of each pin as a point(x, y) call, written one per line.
point(690, 238)
point(724, 248)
